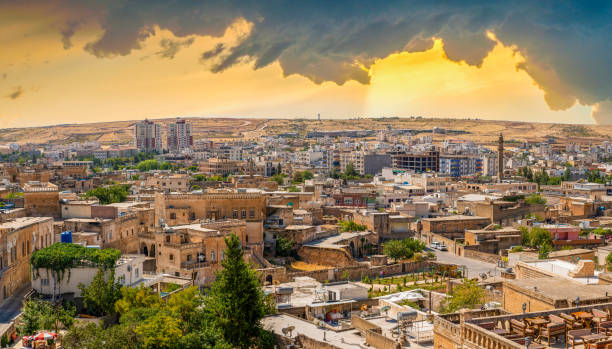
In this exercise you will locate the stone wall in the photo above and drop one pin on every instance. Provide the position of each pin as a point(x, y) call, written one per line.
point(355, 272)
point(336, 256)
point(481, 256)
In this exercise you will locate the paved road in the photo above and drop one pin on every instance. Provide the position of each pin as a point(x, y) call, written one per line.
point(10, 308)
point(475, 267)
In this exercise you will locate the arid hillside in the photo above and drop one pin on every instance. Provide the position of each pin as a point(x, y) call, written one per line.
point(481, 131)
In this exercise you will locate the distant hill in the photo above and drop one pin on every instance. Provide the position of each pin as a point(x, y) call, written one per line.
point(481, 131)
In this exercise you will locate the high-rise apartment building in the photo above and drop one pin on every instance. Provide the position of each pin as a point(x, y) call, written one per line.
point(179, 136)
point(147, 136)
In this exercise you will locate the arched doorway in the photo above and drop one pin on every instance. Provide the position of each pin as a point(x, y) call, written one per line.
point(269, 280)
point(152, 251)
point(144, 250)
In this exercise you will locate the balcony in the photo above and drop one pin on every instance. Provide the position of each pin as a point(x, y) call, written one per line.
point(190, 265)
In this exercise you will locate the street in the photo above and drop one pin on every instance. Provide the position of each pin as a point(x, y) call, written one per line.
point(474, 267)
point(11, 308)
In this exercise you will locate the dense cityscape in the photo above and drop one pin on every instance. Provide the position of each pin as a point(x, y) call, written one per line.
point(339, 238)
point(230, 174)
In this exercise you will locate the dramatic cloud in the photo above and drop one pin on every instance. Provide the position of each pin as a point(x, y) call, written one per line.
point(171, 47)
point(67, 33)
point(566, 45)
point(602, 112)
point(17, 92)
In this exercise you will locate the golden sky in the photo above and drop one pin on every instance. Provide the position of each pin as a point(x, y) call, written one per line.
point(42, 83)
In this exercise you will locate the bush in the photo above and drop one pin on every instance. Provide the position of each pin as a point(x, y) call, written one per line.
point(403, 249)
point(351, 226)
point(110, 194)
point(535, 199)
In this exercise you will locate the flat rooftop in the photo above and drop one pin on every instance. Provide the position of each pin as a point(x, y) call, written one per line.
point(561, 289)
point(345, 339)
point(562, 268)
point(22, 222)
point(454, 218)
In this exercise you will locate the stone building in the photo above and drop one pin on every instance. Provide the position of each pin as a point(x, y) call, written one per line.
point(499, 211)
point(19, 237)
point(174, 182)
point(41, 199)
point(196, 250)
point(121, 232)
point(181, 209)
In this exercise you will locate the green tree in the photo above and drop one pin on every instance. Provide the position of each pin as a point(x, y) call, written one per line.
point(402, 249)
point(100, 296)
point(136, 297)
point(298, 177)
point(544, 251)
point(236, 302)
point(284, 247)
point(609, 261)
point(466, 295)
point(160, 331)
point(42, 315)
point(350, 171)
point(567, 175)
point(109, 194)
point(279, 178)
point(147, 165)
point(539, 237)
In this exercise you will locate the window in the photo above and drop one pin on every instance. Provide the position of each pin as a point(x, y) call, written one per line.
point(243, 214)
point(44, 282)
point(188, 258)
point(252, 213)
point(171, 257)
point(22, 248)
point(137, 272)
point(235, 214)
point(222, 255)
point(172, 215)
point(213, 257)
point(168, 238)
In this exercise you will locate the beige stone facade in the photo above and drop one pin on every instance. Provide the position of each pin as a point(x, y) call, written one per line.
point(41, 199)
point(19, 237)
point(196, 250)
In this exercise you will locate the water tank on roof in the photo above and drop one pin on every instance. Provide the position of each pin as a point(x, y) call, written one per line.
point(66, 237)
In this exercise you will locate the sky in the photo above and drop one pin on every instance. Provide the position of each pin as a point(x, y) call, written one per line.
point(71, 61)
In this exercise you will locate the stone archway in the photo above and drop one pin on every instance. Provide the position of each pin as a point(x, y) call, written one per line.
point(269, 280)
point(152, 251)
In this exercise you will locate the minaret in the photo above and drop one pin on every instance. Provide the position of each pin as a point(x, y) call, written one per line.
point(500, 158)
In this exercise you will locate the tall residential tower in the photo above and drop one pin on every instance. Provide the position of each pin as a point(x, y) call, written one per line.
point(500, 157)
point(179, 136)
point(148, 136)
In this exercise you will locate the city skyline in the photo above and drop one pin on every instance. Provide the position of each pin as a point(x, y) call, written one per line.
point(74, 63)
